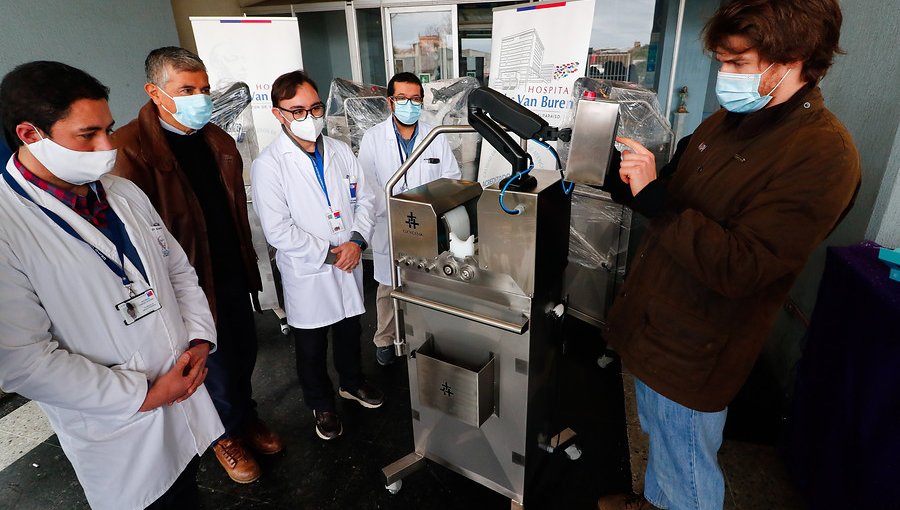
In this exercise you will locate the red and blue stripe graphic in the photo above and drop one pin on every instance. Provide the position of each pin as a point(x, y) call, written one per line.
point(249, 20)
point(543, 6)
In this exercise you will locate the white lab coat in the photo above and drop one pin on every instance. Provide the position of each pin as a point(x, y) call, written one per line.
point(379, 156)
point(64, 345)
point(293, 213)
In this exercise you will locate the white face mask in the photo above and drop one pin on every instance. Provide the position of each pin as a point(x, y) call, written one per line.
point(308, 129)
point(74, 167)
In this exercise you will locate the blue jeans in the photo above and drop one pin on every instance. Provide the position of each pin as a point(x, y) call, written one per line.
point(682, 468)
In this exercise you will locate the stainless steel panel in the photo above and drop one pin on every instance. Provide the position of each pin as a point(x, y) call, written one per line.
point(518, 327)
point(509, 244)
point(458, 388)
point(593, 136)
point(417, 228)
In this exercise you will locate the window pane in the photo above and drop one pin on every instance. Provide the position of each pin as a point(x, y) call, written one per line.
point(423, 44)
point(371, 45)
point(622, 46)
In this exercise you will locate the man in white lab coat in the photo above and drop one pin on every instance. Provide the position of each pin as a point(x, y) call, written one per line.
point(316, 211)
point(384, 148)
point(102, 321)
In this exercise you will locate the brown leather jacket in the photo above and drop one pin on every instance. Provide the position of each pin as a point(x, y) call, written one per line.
point(145, 158)
point(747, 203)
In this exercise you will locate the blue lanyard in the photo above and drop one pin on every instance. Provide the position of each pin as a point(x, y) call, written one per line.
point(318, 164)
point(118, 235)
point(405, 148)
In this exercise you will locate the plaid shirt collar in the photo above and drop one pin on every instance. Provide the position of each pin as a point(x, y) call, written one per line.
point(92, 207)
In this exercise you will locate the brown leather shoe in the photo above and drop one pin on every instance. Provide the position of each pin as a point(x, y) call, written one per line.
point(261, 439)
point(237, 461)
point(624, 502)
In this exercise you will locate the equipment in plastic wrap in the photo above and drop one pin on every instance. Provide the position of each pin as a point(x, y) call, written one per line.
point(640, 116)
point(479, 326)
point(599, 234)
point(231, 113)
point(445, 103)
point(601, 230)
point(352, 108)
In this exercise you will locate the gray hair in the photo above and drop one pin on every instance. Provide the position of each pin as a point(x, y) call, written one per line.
point(156, 65)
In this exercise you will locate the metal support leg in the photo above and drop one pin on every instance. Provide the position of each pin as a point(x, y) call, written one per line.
point(396, 471)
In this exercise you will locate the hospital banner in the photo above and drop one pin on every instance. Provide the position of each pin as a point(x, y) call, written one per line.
point(254, 51)
point(538, 50)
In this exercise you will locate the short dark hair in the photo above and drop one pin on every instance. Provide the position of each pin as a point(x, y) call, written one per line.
point(42, 92)
point(405, 78)
point(781, 31)
point(285, 86)
point(179, 58)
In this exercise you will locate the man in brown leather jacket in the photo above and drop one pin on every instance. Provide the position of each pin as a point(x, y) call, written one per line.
point(193, 174)
point(733, 217)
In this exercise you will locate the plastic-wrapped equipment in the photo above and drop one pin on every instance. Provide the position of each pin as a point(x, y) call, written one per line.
point(446, 102)
point(600, 229)
point(352, 108)
point(640, 116)
point(231, 113)
point(595, 215)
point(599, 233)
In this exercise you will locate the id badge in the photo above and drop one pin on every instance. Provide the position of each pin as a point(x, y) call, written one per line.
point(157, 231)
point(352, 184)
point(138, 307)
point(334, 221)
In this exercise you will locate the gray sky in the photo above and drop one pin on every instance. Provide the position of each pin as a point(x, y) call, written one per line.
point(619, 23)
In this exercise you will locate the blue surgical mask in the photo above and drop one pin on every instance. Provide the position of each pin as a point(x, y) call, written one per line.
point(407, 113)
point(739, 93)
point(191, 111)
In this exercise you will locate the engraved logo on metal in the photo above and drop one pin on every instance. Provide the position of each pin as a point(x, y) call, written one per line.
point(411, 221)
point(445, 389)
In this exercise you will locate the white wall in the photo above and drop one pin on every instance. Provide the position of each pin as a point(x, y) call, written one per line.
point(108, 39)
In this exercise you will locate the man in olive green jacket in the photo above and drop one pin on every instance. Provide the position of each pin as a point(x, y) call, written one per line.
point(734, 217)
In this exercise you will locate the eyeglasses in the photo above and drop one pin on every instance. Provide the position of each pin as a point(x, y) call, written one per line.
point(317, 111)
point(416, 100)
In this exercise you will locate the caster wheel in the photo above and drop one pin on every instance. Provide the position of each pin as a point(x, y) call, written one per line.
point(573, 452)
point(394, 488)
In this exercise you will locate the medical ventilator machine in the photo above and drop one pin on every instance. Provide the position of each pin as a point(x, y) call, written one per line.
point(478, 293)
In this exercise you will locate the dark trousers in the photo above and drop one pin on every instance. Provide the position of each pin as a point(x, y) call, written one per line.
point(231, 366)
point(183, 494)
point(312, 368)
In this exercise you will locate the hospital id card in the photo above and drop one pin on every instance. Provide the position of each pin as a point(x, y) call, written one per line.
point(138, 307)
point(335, 222)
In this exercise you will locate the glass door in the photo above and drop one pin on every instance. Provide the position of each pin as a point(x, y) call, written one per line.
point(324, 45)
point(371, 45)
point(423, 41)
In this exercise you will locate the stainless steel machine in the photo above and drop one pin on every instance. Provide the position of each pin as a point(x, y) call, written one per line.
point(480, 322)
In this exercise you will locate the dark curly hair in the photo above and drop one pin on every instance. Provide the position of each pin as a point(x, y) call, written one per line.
point(781, 31)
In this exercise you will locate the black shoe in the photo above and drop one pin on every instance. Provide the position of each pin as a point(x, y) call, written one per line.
point(384, 355)
point(367, 395)
point(328, 425)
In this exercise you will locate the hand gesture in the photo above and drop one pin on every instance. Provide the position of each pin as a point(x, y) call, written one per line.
point(638, 167)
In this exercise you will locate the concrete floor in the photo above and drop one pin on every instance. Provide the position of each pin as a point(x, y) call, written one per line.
point(755, 475)
point(346, 473)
